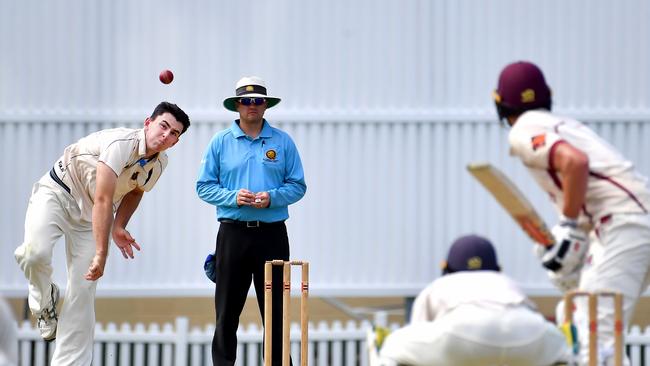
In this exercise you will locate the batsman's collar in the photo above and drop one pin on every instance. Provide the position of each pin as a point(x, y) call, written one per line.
point(250, 87)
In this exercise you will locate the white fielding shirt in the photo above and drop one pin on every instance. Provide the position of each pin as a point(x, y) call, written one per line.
point(123, 150)
point(484, 289)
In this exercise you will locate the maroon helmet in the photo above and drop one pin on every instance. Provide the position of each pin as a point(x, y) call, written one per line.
point(522, 87)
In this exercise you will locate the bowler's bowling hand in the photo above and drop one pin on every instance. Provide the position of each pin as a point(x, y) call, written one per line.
point(125, 242)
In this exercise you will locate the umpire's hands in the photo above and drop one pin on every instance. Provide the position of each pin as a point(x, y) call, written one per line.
point(256, 200)
point(245, 197)
point(569, 251)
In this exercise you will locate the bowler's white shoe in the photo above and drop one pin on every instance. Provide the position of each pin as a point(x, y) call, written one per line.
point(47, 319)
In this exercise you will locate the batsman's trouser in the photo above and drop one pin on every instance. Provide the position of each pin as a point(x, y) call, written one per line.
point(240, 255)
point(620, 262)
point(52, 213)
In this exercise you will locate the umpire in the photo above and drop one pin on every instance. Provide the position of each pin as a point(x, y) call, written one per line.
point(251, 172)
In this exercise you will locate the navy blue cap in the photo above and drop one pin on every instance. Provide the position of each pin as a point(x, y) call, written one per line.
point(471, 253)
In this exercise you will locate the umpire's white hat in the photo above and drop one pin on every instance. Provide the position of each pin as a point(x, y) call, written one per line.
point(250, 87)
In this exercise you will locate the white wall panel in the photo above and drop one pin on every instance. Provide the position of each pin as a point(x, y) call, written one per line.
point(384, 201)
point(90, 59)
point(387, 101)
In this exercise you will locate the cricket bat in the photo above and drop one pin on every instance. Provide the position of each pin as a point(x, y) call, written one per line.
point(513, 201)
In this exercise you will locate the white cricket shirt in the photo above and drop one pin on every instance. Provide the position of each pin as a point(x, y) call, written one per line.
point(484, 289)
point(614, 186)
point(123, 150)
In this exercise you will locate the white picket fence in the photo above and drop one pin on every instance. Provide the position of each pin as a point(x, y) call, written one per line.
point(180, 345)
point(175, 345)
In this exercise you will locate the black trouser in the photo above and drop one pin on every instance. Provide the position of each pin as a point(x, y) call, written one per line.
point(240, 254)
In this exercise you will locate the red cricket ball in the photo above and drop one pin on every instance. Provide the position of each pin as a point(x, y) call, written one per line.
point(166, 76)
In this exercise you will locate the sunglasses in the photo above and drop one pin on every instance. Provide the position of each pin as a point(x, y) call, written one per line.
point(249, 101)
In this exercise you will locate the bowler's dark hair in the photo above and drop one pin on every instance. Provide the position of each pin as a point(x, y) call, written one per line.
point(176, 111)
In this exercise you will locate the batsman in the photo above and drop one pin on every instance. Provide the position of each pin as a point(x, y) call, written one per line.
point(597, 192)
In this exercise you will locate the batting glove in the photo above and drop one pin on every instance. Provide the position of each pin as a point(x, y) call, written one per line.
point(565, 282)
point(570, 248)
point(208, 267)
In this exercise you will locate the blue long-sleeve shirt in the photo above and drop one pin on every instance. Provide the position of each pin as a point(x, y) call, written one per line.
point(270, 163)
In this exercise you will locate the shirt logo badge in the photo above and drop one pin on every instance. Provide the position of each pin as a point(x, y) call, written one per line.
point(271, 154)
point(538, 141)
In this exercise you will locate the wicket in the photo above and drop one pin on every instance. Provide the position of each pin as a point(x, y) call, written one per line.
point(286, 307)
point(593, 322)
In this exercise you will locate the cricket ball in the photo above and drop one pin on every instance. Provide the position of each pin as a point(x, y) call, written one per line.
point(166, 76)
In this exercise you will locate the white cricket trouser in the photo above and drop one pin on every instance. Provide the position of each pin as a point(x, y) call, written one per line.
point(51, 213)
point(620, 262)
point(472, 335)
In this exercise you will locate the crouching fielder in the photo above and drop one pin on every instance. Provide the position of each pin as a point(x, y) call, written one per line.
point(475, 315)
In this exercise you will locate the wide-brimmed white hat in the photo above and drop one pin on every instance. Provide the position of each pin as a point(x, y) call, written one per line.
point(250, 87)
